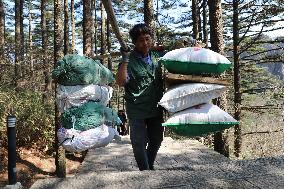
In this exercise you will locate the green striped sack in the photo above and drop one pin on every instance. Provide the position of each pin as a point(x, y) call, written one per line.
point(200, 120)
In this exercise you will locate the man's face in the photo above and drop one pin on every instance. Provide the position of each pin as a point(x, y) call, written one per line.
point(143, 44)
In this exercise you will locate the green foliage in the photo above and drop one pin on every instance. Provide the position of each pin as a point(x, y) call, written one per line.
point(34, 119)
point(254, 76)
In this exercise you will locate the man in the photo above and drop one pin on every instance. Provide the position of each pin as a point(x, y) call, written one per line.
point(141, 75)
point(122, 128)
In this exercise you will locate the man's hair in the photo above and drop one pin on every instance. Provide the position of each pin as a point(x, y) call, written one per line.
point(139, 29)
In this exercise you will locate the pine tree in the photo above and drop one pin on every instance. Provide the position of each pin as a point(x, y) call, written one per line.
point(237, 82)
point(66, 27)
point(58, 54)
point(73, 26)
point(217, 45)
point(103, 33)
point(2, 30)
point(18, 73)
point(44, 45)
point(87, 28)
point(249, 44)
point(149, 16)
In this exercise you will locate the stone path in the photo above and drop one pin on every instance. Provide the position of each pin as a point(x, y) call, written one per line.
point(179, 164)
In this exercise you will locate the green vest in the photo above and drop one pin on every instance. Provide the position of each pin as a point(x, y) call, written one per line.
point(144, 89)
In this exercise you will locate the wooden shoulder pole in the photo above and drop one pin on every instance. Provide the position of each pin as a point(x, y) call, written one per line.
point(111, 16)
point(106, 55)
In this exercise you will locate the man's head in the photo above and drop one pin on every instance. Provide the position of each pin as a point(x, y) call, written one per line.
point(141, 36)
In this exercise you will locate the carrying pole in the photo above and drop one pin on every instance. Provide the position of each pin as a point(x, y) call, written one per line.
point(111, 16)
point(107, 55)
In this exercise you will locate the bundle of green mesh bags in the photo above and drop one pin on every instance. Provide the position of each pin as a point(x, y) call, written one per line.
point(75, 69)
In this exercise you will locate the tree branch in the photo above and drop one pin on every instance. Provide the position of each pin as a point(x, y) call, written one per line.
point(261, 52)
point(252, 42)
point(262, 132)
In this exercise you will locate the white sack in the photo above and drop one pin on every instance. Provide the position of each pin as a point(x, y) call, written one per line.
point(77, 141)
point(70, 96)
point(187, 95)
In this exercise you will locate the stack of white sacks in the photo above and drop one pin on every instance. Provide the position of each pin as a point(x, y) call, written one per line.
point(189, 105)
point(86, 120)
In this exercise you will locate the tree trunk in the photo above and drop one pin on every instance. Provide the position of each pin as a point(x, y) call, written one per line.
point(94, 9)
point(58, 54)
point(73, 25)
point(66, 27)
point(205, 29)
point(216, 26)
point(237, 80)
point(22, 30)
point(17, 42)
point(44, 45)
point(109, 61)
point(118, 98)
point(103, 33)
point(2, 35)
point(22, 37)
point(199, 20)
point(87, 28)
point(158, 36)
point(195, 19)
point(217, 45)
point(43, 30)
point(149, 16)
point(2, 30)
point(30, 52)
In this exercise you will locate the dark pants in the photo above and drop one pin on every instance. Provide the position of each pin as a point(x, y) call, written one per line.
point(146, 136)
point(122, 130)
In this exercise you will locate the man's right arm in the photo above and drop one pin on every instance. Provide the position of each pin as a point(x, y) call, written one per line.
point(122, 74)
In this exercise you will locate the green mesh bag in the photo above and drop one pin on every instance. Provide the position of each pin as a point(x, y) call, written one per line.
point(74, 69)
point(89, 115)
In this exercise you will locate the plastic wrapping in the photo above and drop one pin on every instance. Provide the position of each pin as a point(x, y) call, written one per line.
point(74, 96)
point(77, 141)
point(184, 96)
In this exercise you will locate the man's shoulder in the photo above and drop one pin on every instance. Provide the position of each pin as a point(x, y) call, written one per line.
point(133, 55)
point(157, 54)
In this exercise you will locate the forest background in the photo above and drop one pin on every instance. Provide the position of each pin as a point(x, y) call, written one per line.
point(37, 33)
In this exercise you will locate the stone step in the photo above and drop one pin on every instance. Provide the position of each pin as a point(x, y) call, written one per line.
point(118, 156)
point(179, 164)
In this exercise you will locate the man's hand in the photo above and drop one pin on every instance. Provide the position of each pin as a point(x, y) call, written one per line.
point(158, 48)
point(125, 54)
point(188, 41)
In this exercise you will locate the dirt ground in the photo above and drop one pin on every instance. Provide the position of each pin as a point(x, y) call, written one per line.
point(33, 164)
